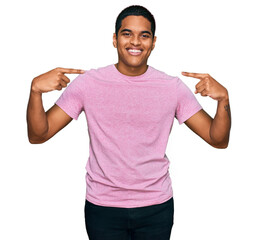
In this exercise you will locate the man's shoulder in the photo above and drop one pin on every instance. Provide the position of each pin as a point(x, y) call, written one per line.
point(163, 75)
point(100, 70)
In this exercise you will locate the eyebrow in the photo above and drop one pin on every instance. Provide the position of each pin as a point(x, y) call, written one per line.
point(128, 30)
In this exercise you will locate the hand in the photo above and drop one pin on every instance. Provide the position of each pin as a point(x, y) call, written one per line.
point(208, 86)
point(52, 80)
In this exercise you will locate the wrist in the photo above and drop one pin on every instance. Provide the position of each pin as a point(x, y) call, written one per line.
point(34, 90)
point(225, 97)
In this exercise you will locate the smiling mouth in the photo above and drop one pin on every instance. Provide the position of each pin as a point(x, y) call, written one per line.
point(134, 52)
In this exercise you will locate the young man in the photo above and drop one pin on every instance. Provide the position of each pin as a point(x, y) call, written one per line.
point(130, 108)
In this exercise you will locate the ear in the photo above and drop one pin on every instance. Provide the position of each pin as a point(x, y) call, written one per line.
point(154, 41)
point(114, 40)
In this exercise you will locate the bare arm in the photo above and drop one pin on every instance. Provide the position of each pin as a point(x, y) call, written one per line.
point(43, 125)
point(214, 131)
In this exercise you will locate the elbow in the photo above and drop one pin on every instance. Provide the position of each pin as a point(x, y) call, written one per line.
point(220, 145)
point(32, 141)
point(36, 139)
point(223, 146)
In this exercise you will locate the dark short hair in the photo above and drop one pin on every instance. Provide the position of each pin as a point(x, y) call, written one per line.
point(135, 10)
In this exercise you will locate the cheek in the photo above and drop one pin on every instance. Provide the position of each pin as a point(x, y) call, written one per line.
point(149, 49)
point(148, 45)
point(122, 42)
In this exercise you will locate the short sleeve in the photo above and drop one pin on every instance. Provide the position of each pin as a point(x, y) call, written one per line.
point(187, 104)
point(71, 100)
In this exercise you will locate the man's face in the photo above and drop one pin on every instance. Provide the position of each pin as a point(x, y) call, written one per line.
point(134, 42)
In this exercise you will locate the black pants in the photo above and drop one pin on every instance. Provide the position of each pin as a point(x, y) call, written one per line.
point(141, 223)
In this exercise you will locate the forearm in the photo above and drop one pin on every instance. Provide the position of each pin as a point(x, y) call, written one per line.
point(36, 118)
point(221, 124)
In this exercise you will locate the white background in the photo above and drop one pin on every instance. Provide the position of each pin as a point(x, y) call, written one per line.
point(43, 186)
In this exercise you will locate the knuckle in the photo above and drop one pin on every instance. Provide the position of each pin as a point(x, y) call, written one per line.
point(203, 94)
point(57, 84)
point(206, 79)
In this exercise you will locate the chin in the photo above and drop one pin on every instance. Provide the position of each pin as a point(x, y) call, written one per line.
point(136, 64)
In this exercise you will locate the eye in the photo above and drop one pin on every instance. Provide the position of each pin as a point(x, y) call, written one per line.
point(145, 36)
point(126, 34)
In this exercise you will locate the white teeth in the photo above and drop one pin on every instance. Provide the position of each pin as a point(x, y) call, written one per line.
point(134, 50)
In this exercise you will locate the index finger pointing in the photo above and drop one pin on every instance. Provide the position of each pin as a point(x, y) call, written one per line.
point(194, 75)
point(71, 70)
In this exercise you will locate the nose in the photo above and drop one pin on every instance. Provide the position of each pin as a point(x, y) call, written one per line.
point(135, 40)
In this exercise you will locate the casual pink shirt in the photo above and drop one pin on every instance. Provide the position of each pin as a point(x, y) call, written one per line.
point(129, 122)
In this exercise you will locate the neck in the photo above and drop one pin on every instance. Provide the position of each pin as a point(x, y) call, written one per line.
point(131, 71)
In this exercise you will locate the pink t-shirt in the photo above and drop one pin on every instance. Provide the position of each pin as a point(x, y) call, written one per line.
point(129, 122)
